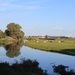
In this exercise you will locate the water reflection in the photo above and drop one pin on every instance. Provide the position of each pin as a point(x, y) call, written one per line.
point(2, 44)
point(13, 49)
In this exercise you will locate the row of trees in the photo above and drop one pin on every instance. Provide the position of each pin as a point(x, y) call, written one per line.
point(13, 30)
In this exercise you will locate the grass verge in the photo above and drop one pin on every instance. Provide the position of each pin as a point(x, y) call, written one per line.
point(65, 46)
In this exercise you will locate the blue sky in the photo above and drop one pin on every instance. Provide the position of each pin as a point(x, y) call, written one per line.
point(39, 17)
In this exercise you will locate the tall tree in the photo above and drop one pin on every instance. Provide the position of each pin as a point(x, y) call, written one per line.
point(14, 30)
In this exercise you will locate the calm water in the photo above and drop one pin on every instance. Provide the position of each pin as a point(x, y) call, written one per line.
point(17, 51)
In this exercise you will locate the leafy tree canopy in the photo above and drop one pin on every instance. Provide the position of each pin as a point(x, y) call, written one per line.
point(14, 30)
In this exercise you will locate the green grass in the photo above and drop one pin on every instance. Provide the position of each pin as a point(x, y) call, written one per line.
point(6, 40)
point(66, 47)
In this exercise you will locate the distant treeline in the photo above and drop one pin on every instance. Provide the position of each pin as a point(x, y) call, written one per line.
point(51, 37)
point(46, 38)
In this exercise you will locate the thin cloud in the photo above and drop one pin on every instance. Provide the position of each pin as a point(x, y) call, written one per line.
point(70, 35)
point(3, 1)
point(8, 14)
point(10, 5)
point(40, 1)
point(6, 6)
point(30, 28)
point(32, 7)
point(58, 28)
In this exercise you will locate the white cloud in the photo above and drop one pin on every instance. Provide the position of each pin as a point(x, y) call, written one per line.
point(4, 1)
point(7, 4)
point(40, 1)
point(10, 5)
point(30, 28)
point(32, 7)
point(70, 35)
point(58, 28)
point(8, 14)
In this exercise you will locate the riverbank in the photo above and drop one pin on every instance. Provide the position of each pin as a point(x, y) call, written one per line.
point(64, 46)
point(7, 40)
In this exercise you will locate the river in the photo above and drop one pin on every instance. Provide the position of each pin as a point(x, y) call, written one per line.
point(45, 59)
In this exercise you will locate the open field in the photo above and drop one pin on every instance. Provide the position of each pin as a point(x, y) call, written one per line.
point(65, 46)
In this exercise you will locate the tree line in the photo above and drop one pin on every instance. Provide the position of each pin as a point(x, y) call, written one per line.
point(13, 30)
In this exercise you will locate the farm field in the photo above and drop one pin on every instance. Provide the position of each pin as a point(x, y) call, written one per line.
point(65, 46)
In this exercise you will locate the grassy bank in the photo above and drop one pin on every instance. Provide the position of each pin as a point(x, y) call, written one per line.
point(65, 46)
point(7, 40)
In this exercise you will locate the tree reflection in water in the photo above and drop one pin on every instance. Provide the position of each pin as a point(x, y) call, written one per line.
point(13, 49)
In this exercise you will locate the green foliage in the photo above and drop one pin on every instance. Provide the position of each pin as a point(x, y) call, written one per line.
point(61, 69)
point(14, 31)
point(5, 41)
point(26, 67)
point(2, 34)
point(63, 37)
point(46, 36)
point(31, 38)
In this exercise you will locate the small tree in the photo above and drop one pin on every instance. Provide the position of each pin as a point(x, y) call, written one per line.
point(46, 36)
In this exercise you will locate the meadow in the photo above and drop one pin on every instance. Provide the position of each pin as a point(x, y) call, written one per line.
point(65, 46)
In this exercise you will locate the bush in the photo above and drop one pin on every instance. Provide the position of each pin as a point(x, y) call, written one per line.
point(26, 67)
